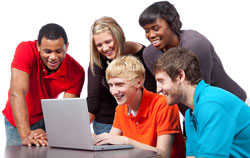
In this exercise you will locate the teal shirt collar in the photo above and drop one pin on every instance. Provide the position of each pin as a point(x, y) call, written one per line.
point(198, 90)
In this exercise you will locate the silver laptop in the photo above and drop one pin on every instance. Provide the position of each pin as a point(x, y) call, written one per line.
point(67, 125)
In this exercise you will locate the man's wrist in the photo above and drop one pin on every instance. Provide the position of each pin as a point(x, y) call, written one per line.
point(24, 134)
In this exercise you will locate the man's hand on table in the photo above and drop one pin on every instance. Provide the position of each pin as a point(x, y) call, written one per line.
point(37, 137)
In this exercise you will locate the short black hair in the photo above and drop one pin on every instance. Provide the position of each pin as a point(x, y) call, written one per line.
point(164, 10)
point(52, 31)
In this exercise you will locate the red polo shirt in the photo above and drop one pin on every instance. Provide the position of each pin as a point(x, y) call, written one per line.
point(68, 78)
point(153, 119)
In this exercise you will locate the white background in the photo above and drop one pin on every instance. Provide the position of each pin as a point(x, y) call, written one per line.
point(223, 22)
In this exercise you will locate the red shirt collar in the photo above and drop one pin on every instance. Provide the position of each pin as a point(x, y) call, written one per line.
point(61, 72)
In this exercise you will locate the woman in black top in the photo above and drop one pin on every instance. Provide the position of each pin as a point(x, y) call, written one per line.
point(107, 42)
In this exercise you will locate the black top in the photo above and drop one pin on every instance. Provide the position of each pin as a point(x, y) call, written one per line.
point(100, 101)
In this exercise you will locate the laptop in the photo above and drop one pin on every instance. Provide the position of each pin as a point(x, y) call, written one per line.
point(67, 125)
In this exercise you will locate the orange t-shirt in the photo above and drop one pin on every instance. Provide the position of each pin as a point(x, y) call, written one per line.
point(153, 119)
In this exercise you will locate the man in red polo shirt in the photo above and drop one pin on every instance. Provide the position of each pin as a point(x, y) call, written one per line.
point(40, 69)
point(142, 118)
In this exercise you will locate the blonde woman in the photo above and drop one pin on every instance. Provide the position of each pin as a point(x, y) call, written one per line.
point(107, 41)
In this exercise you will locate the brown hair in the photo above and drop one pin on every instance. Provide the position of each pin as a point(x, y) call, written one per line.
point(175, 59)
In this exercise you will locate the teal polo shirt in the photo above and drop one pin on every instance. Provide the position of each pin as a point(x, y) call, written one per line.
point(219, 125)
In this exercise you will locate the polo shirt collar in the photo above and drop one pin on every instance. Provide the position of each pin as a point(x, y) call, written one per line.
point(61, 72)
point(199, 88)
point(144, 107)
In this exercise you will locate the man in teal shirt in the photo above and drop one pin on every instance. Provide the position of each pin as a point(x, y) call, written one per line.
point(217, 123)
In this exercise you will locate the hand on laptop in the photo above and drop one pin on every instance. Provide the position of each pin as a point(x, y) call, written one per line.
point(106, 138)
point(37, 137)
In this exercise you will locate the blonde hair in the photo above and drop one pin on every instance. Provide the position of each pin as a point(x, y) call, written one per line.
point(105, 24)
point(128, 67)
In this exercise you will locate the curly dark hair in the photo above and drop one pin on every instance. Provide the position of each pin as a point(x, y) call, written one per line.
point(164, 10)
point(52, 31)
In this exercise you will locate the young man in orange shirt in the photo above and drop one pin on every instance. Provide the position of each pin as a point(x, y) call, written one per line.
point(142, 119)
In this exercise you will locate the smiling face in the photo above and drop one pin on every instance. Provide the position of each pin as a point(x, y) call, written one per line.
point(52, 53)
point(160, 34)
point(123, 91)
point(171, 89)
point(105, 44)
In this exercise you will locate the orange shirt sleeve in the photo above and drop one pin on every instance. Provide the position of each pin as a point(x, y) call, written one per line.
point(167, 118)
point(116, 122)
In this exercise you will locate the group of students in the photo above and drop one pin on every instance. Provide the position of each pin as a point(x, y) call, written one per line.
point(124, 79)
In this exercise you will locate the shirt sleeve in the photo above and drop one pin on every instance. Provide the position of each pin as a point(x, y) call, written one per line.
point(78, 82)
point(215, 131)
point(94, 89)
point(168, 119)
point(23, 57)
point(150, 55)
point(189, 145)
point(116, 122)
point(203, 49)
point(75, 75)
point(149, 83)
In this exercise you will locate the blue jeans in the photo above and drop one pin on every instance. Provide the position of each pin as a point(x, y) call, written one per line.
point(100, 128)
point(12, 135)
